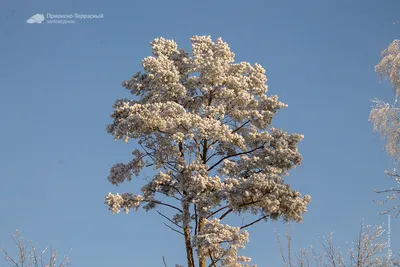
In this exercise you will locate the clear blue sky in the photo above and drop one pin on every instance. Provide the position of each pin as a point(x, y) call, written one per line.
point(58, 83)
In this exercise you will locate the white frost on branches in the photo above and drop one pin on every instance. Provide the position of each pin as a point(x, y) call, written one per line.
point(32, 257)
point(125, 201)
point(221, 243)
point(202, 121)
point(386, 121)
point(258, 194)
point(366, 251)
point(386, 117)
point(389, 66)
point(123, 172)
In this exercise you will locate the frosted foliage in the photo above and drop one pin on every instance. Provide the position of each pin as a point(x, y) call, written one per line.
point(202, 120)
point(266, 196)
point(121, 172)
point(386, 121)
point(221, 243)
point(386, 118)
point(389, 66)
point(125, 201)
point(162, 183)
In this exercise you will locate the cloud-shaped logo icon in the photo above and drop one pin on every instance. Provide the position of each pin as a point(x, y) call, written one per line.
point(38, 18)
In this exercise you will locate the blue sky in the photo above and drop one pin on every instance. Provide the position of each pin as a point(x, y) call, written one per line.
point(58, 83)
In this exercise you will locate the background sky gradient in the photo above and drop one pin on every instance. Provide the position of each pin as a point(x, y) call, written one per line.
point(58, 84)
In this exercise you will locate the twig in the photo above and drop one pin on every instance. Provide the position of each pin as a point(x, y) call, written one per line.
point(173, 229)
point(249, 224)
point(169, 219)
point(165, 264)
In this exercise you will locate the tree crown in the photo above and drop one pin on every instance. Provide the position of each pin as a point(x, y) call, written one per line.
point(202, 120)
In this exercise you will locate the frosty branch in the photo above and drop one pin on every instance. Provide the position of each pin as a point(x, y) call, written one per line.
point(367, 251)
point(386, 118)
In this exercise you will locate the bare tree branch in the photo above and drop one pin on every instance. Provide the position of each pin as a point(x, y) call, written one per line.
point(179, 232)
point(254, 222)
point(169, 219)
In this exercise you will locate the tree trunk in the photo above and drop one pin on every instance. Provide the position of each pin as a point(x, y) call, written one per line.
point(186, 219)
point(189, 249)
point(202, 260)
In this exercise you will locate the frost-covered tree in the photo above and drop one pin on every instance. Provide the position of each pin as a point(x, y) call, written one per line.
point(366, 251)
point(386, 118)
point(31, 257)
point(203, 122)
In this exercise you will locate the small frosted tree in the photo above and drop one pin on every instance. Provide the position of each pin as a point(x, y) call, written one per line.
point(202, 122)
point(31, 257)
point(386, 118)
point(366, 251)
